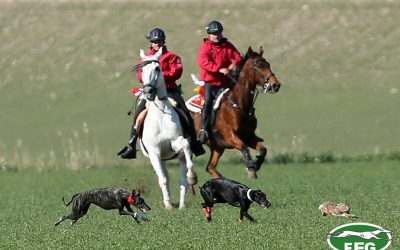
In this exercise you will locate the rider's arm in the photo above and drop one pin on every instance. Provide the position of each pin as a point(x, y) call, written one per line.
point(175, 69)
point(205, 60)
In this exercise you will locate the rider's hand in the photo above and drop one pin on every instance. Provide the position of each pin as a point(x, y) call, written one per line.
point(232, 66)
point(224, 71)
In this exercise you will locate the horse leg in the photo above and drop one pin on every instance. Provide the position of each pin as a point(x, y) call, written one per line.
point(159, 167)
point(191, 175)
point(237, 143)
point(250, 164)
point(262, 153)
point(183, 182)
point(216, 153)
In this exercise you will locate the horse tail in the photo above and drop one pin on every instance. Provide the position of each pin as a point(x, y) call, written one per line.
point(69, 201)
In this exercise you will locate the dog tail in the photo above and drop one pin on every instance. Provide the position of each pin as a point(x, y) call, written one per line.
point(69, 201)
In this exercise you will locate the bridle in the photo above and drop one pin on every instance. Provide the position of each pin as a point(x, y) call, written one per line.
point(148, 88)
point(266, 85)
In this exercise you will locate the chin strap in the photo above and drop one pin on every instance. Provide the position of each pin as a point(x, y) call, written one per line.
point(131, 200)
point(248, 195)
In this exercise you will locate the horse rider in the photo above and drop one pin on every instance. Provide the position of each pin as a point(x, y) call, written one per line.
point(217, 57)
point(172, 69)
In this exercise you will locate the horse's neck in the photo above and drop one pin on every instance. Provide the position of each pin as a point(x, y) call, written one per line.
point(243, 92)
point(162, 105)
point(162, 120)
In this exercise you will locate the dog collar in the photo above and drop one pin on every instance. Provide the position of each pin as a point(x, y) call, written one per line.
point(130, 199)
point(248, 195)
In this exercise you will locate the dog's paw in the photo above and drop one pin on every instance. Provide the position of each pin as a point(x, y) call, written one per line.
point(141, 217)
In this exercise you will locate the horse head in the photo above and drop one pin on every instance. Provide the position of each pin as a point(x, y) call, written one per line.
point(152, 77)
point(260, 69)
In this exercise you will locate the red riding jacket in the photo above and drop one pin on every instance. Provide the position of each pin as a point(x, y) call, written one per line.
point(171, 67)
point(214, 56)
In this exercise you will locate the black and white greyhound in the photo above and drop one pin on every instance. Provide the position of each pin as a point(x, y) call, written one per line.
point(106, 198)
point(223, 190)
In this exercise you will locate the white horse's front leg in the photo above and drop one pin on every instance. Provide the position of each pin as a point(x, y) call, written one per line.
point(183, 182)
point(163, 180)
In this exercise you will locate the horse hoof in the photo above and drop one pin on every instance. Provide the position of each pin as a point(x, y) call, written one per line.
point(181, 207)
point(251, 173)
point(168, 206)
point(192, 180)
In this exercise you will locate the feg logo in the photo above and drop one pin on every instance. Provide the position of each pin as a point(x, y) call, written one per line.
point(359, 236)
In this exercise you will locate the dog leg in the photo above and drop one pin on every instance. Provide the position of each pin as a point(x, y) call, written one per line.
point(244, 207)
point(135, 216)
point(251, 219)
point(207, 213)
point(206, 193)
point(61, 220)
point(70, 226)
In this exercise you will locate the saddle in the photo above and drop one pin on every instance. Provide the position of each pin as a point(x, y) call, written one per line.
point(195, 104)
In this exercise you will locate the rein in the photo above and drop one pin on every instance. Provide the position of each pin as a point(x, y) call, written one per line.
point(256, 91)
point(142, 64)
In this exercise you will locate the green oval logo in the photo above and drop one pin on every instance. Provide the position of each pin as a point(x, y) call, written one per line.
point(359, 236)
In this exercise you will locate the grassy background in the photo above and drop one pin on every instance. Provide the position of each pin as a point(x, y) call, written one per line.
point(65, 73)
point(31, 203)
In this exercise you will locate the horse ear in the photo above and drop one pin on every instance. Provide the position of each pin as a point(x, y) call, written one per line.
point(158, 54)
point(261, 50)
point(249, 52)
point(133, 192)
point(138, 192)
point(142, 55)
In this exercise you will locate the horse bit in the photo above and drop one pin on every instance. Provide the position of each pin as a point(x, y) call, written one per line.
point(267, 85)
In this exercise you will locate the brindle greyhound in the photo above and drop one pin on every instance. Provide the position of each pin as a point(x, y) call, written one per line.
point(106, 198)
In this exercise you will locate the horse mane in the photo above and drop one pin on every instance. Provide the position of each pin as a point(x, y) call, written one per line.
point(235, 74)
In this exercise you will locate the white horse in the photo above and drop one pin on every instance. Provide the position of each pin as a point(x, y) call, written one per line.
point(162, 137)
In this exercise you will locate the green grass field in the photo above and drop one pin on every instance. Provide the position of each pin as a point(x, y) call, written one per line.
point(31, 203)
point(65, 74)
point(64, 93)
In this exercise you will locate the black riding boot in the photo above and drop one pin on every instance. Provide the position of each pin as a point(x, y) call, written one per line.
point(202, 136)
point(129, 151)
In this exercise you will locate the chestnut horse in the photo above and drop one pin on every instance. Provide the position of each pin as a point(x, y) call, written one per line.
point(235, 122)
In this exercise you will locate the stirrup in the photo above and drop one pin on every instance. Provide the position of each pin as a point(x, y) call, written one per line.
point(202, 136)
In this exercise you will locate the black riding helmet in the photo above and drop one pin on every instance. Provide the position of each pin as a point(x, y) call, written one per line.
point(214, 27)
point(156, 34)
